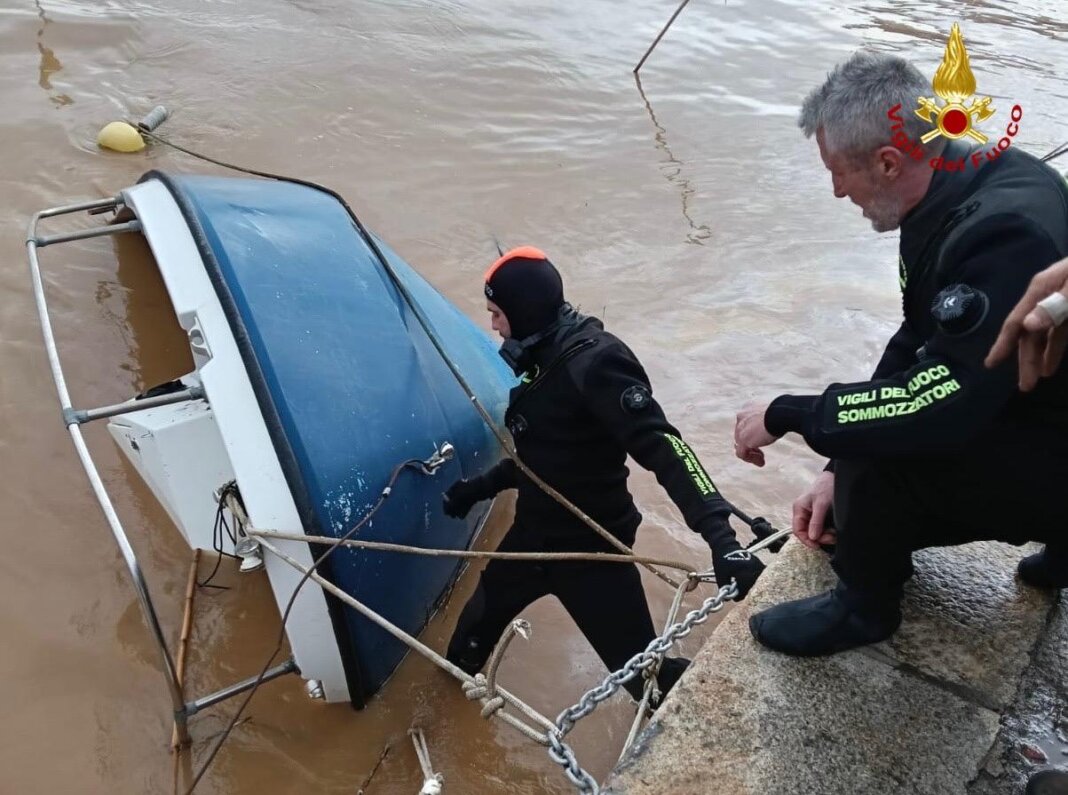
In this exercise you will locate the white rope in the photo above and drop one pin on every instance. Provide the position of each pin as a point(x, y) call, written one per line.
point(432, 782)
point(652, 671)
point(426, 651)
point(385, 546)
point(493, 697)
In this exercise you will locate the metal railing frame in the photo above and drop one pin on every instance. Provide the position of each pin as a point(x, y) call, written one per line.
point(73, 420)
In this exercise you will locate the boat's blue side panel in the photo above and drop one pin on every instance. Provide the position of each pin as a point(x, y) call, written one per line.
point(357, 388)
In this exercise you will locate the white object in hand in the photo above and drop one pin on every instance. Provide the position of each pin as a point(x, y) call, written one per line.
point(1057, 307)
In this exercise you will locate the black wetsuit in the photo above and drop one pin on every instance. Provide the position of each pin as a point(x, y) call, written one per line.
point(935, 449)
point(586, 407)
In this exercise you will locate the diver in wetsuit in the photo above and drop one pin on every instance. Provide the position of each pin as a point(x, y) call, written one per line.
point(934, 449)
point(584, 404)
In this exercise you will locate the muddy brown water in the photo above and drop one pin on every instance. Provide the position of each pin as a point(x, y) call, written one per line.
point(694, 218)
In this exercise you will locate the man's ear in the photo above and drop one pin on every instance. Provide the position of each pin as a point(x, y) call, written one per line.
point(890, 161)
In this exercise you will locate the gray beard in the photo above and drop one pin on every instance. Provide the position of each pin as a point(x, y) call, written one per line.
point(884, 213)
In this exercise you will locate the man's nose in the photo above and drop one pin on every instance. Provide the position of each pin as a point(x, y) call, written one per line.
point(839, 193)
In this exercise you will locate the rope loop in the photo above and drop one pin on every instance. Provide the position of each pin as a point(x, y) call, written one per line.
point(492, 705)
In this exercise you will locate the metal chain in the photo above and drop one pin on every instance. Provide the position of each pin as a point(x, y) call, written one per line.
point(559, 751)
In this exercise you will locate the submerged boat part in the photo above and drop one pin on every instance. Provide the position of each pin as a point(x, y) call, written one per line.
point(312, 380)
point(248, 549)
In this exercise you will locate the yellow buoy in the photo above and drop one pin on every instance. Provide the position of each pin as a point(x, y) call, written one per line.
point(120, 137)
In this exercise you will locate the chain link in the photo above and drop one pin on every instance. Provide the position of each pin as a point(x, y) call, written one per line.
point(559, 751)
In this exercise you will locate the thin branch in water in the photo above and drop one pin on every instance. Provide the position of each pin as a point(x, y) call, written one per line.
point(663, 30)
point(1060, 150)
point(367, 781)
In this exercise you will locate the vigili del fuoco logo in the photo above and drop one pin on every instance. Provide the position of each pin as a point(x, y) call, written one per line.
point(958, 115)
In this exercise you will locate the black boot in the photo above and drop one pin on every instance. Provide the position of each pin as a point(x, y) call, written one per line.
point(468, 654)
point(1046, 569)
point(826, 624)
point(1051, 781)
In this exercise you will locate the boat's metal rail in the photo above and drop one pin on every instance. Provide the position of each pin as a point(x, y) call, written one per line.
point(74, 418)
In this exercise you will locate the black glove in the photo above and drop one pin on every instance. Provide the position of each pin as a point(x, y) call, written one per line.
point(730, 560)
point(461, 497)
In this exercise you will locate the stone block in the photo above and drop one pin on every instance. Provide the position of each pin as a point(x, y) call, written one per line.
point(918, 714)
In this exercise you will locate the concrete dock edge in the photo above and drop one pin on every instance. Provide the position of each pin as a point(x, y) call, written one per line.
point(942, 707)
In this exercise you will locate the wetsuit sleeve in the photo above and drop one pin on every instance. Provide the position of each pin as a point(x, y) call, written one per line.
point(900, 354)
point(949, 396)
point(616, 390)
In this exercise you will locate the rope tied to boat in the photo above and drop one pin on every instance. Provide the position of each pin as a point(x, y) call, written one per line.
point(432, 782)
point(478, 691)
point(385, 546)
point(231, 498)
point(483, 687)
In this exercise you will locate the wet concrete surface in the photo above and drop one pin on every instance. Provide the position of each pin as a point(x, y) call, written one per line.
point(976, 667)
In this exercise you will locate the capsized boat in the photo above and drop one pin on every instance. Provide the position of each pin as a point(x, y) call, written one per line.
point(314, 378)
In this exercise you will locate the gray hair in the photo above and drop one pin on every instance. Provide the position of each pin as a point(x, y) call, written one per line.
point(853, 104)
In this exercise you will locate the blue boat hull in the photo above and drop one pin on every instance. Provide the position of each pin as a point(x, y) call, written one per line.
point(350, 385)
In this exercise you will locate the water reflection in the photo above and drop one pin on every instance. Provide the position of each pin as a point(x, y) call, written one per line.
point(50, 64)
point(138, 306)
point(672, 170)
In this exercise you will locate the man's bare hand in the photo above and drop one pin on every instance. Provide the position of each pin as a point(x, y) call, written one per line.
point(1030, 329)
point(750, 434)
point(810, 513)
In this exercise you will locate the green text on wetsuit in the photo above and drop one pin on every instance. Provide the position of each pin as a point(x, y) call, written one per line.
point(924, 389)
point(697, 472)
